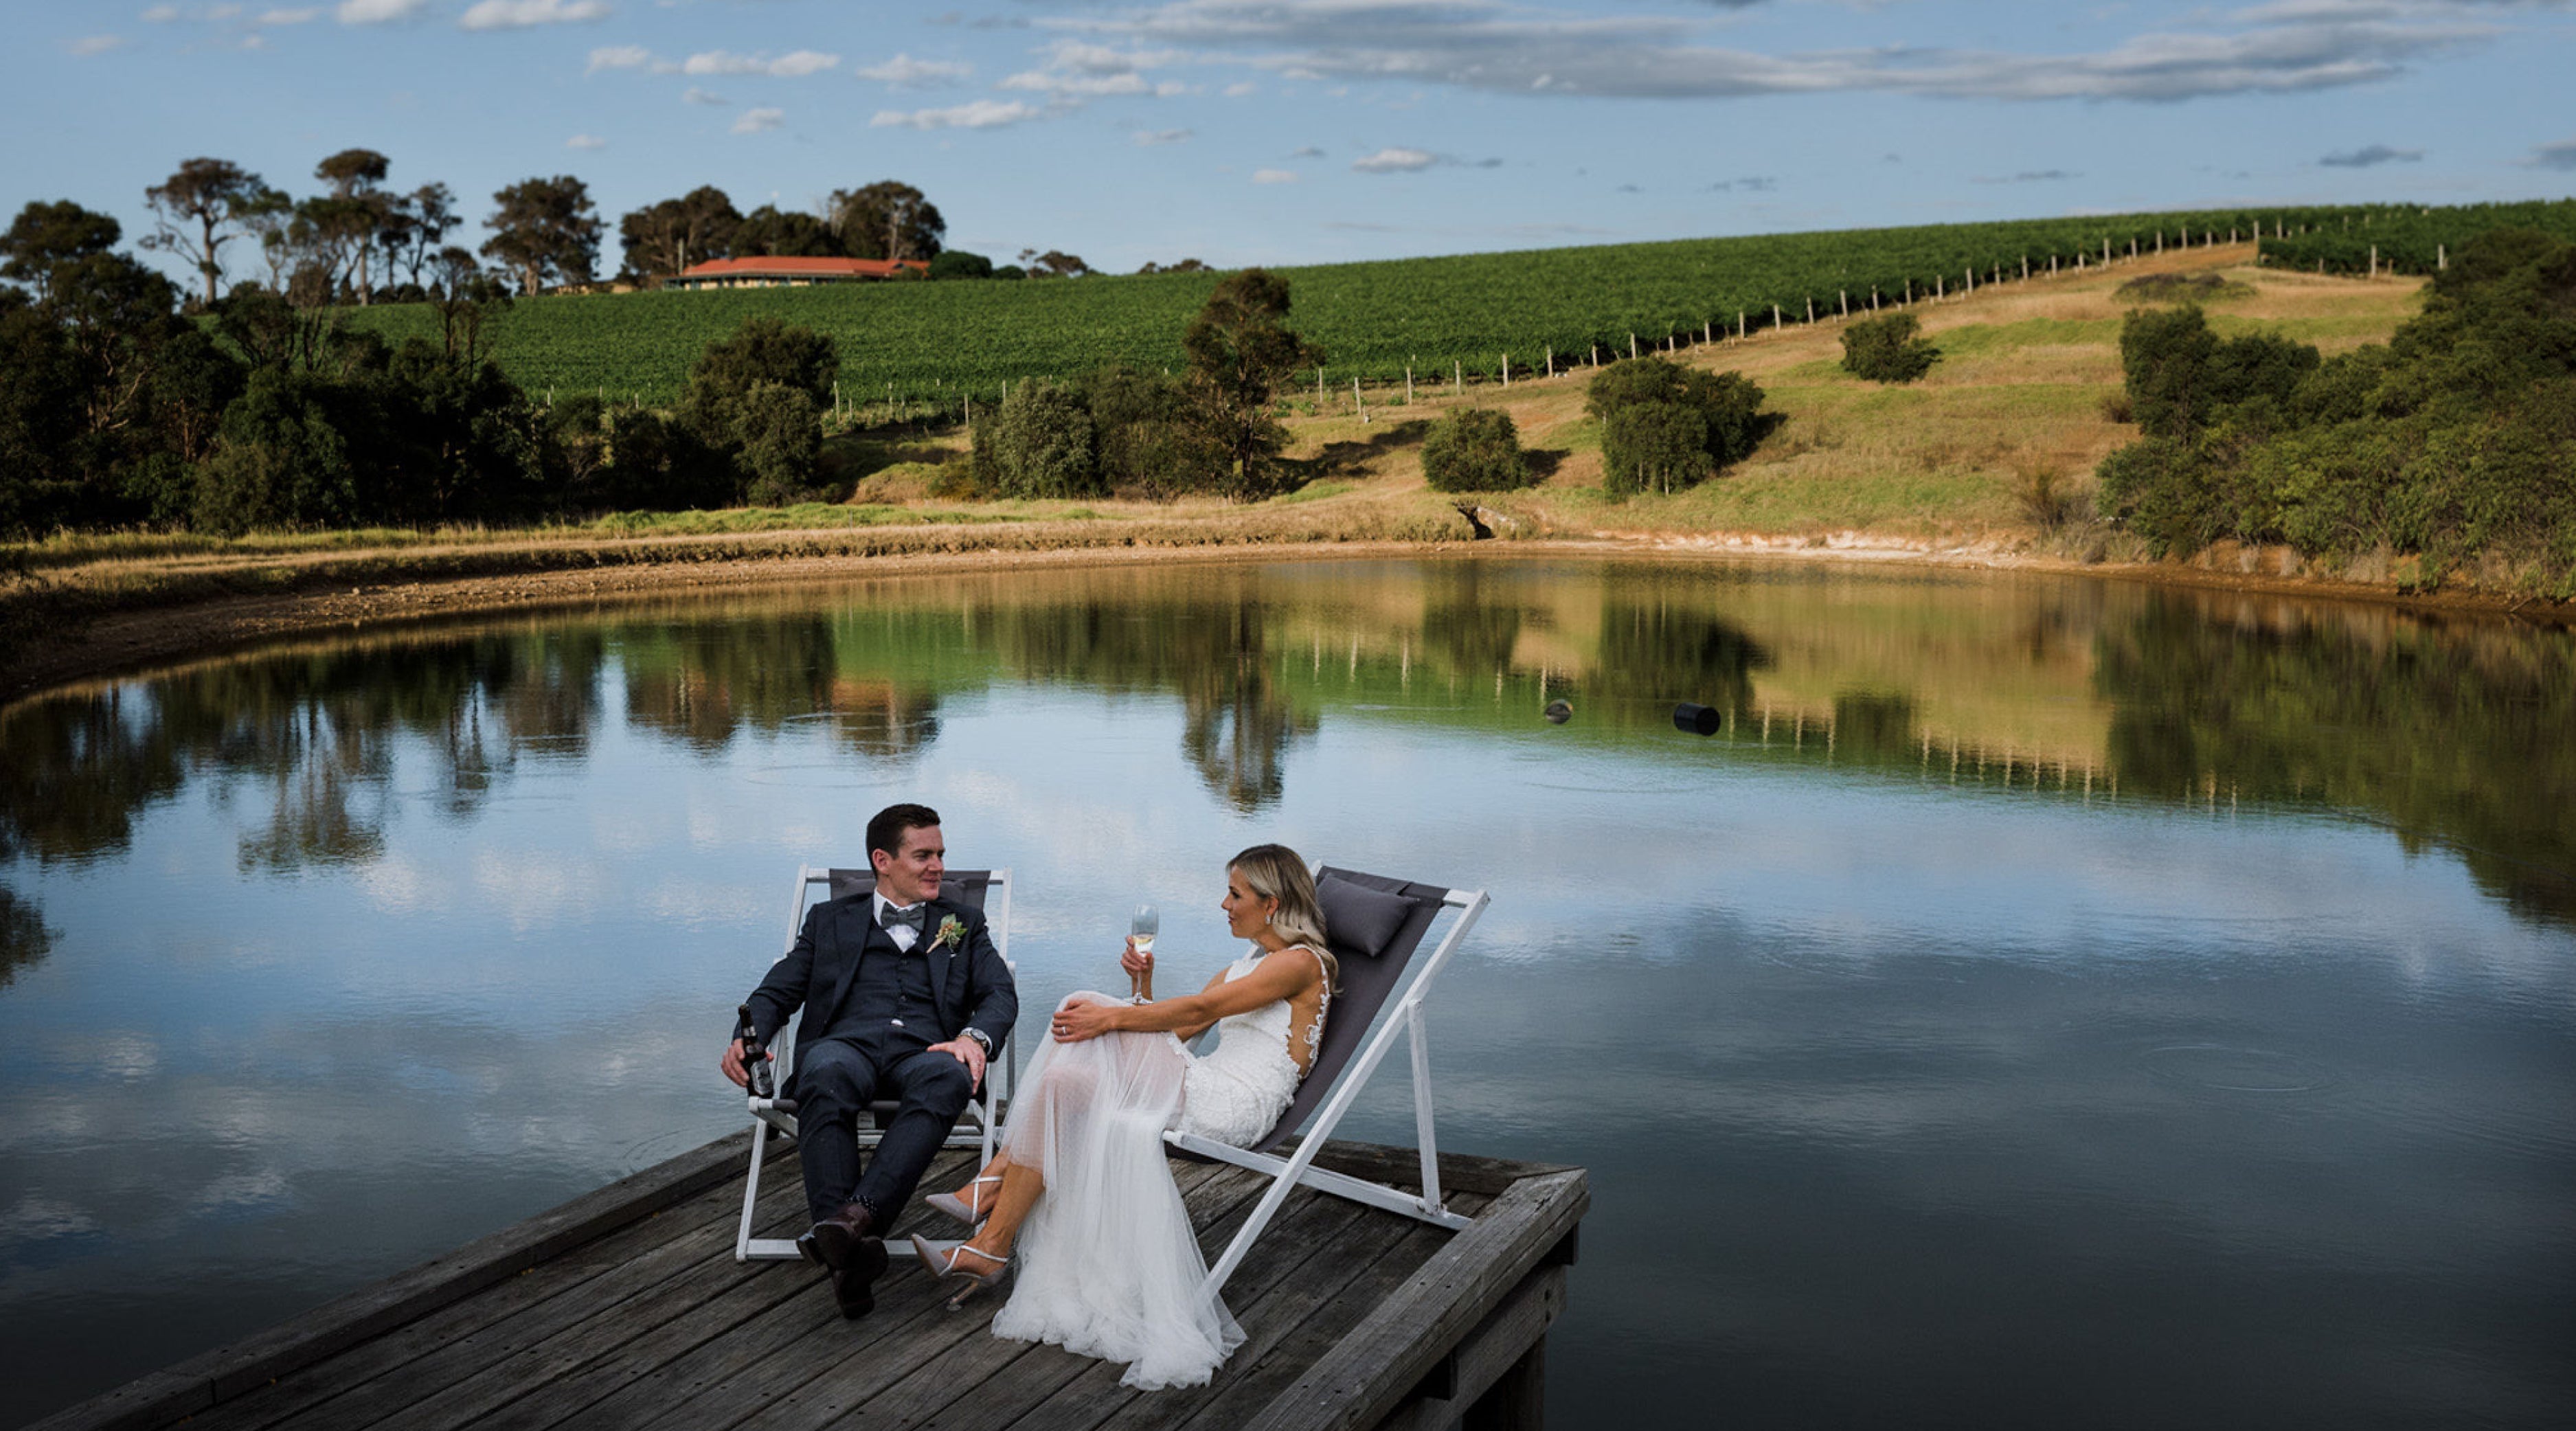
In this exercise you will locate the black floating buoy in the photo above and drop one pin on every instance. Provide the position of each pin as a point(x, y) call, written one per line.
point(1558, 712)
point(1698, 720)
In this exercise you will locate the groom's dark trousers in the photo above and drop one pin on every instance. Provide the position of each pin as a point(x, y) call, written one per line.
point(878, 1010)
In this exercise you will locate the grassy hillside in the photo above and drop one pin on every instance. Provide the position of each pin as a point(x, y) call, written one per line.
point(932, 341)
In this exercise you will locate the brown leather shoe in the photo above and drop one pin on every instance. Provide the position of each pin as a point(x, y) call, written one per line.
point(829, 1243)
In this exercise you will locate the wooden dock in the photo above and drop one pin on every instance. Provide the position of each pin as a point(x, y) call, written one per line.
point(625, 1308)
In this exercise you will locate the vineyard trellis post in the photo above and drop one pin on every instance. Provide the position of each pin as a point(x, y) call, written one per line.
point(1507, 372)
point(1358, 406)
point(1551, 360)
point(1408, 385)
point(1775, 316)
point(1844, 295)
point(1458, 375)
point(1632, 343)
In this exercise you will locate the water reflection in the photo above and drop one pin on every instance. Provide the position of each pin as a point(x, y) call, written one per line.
point(2449, 733)
point(2027, 964)
point(24, 939)
point(2457, 734)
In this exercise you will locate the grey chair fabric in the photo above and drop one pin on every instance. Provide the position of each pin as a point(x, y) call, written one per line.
point(1367, 980)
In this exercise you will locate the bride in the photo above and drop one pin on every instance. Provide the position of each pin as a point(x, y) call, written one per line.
point(1109, 1266)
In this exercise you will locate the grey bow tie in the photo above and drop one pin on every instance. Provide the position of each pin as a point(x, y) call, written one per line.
point(918, 917)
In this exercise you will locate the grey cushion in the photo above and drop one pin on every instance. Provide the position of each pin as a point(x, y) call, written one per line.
point(1360, 920)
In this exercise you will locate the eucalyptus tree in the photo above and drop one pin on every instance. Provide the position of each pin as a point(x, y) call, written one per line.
point(544, 229)
point(203, 205)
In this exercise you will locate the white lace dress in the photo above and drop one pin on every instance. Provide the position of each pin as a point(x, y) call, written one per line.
point(1108, 1264)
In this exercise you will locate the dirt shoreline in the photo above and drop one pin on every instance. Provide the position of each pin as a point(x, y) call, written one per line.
point(123, 643)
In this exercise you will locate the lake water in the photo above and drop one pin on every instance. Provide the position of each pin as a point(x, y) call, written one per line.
point(2044, 1002)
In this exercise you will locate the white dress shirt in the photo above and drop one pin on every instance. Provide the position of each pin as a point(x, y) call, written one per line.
point(903, 935)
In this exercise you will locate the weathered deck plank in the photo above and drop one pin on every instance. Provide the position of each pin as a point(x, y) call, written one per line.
point(202, 1382)
point(626, 1309)
point(788, 1347)
point(898, 1384)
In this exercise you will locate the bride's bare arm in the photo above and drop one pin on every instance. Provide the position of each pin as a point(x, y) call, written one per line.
point(1189, 1016)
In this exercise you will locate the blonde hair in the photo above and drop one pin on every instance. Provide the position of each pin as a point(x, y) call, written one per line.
point(1275, 872)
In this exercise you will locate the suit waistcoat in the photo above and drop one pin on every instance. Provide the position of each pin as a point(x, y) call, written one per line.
point(889, 1002)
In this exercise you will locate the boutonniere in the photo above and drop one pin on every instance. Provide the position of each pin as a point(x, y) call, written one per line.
point(952, 933)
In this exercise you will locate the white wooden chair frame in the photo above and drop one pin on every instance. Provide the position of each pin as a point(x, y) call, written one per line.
point(985, 1112)
point(1404, 1019)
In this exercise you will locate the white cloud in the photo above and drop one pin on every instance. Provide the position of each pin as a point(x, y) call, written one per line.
point(1162, 136)
point(521, 14)
point(96, 44)
point(619, 57)
point(1507, 46)
point(1274, 176)
point(2560, 155)
point(1396, 161)
point(1076, 71)
point(290, 17)
point(753, 121)
point(725, 62)
point(1240, 88)
point(377, 12)
point(162, 15)
point(974, 114)
point(696, 95)
point(905, 72)
point(585, 141)
point(2370, 156)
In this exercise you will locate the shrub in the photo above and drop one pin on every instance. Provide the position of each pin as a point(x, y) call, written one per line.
point(1146, 436)
point(1653, 447)
point(1665, 426)
point(1040, 444)
point(1473, 449)
point(1886, 350)
point(755, 405)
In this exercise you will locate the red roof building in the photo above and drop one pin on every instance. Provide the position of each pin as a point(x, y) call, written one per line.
point(791, 272)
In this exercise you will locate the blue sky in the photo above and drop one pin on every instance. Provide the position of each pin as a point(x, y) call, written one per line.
point(1297, 131)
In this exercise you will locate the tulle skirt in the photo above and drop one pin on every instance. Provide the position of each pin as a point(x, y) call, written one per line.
point(1108, 1265)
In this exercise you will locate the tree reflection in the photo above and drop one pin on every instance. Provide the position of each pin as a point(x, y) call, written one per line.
point(1668, 647)
point(2452, 734)
point(1236, 725)
point(24, 939)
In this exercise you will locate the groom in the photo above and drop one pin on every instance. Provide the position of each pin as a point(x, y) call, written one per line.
point(904, 996)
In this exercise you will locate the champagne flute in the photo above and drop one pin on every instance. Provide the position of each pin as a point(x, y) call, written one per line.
point(1147, 923)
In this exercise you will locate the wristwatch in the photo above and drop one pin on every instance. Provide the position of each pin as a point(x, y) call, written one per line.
point(979, 1036)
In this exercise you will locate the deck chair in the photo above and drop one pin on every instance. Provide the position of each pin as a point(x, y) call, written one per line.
point(987, 890)
point(1373, 925)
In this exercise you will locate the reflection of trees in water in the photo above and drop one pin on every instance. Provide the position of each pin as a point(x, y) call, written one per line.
point(1874, 726)
point(24, 939)
point(1471, 618)
point(1237, 724)
point(2453, 735)
point(73, 774)
point(700, 684)
point(313, 735)
point(1670, 648)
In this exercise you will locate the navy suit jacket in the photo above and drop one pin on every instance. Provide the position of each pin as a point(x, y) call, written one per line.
point(970, 986)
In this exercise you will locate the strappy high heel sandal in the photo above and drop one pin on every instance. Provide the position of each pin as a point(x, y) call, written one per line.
point(942, 1259)
point(968, 1210)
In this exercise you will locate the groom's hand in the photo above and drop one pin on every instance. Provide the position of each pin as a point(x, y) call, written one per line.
point(733, 1066)
point(967, 1052)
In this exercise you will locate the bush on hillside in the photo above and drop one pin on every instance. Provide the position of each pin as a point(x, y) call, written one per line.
point(755, 406)
point(1473, 449)
point(2449, 443)
point(1039, 444)
point(1665, 426)
point(1115, 431)
point(1886, 350)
